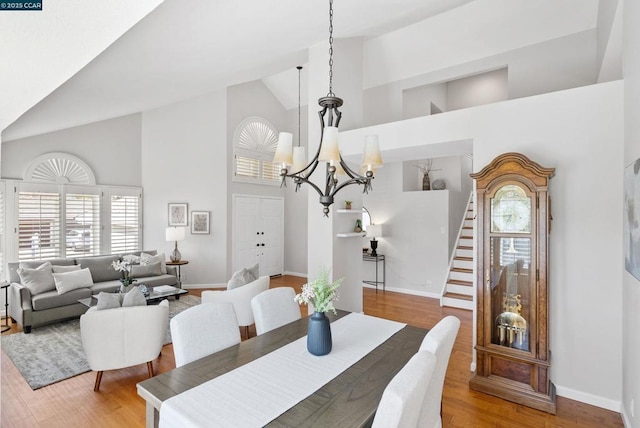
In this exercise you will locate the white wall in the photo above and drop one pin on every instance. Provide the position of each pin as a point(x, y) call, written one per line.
point(484, 88)
point(110, 147)
point(580, 133)
point(185, 160)
point(630, 285)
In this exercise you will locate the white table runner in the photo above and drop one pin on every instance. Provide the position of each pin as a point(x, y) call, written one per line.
point(258, 392)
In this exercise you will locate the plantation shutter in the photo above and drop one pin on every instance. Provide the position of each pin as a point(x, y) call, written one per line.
point(38, 223)
point(125, 223)
point(247, 167)
point(82, 222)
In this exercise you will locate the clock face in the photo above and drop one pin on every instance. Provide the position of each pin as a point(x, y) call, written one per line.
point(511, 210)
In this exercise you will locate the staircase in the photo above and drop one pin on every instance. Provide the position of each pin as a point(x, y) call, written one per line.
point(458, 290)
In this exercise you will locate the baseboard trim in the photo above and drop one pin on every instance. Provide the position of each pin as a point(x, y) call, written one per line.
point(585, 397)
point(301, 275)
point(406, 291)
point(626, 421)
point(195, 286)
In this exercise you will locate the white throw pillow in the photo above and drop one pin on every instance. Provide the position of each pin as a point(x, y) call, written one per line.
point(108, 301)
point(68, 281)
point(147, 259)
point(135, 297)
point(243, 276)
point(37, 280)
point(62, 269)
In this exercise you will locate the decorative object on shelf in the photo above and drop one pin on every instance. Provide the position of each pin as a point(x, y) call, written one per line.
point(426, 169)
point(631, 227)
point(175, 234)
point(320, 293)
point(328, 150)
point(347, 205)
point(177, 214)
point(365, 250)
point(358, 227)
point(124, 266)
point(373, 231)
point(199, 222)
point(438, 184)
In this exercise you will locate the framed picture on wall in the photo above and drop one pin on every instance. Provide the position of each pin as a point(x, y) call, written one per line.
point(631, 222)
point(178, 214)
point(199, 222)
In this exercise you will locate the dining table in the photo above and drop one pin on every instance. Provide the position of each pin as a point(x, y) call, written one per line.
point(340, 389)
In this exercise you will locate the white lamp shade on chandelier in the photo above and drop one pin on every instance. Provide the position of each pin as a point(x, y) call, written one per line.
point(374, 230)
point(284, 152)
point(371, 158)
point(299, 159)
point(174, 233)
point(329, 150)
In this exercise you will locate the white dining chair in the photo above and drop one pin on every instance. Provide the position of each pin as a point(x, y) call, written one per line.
point(123, 337)
point(402, 399)
point(203, 330)
point(274, 308)
point(240, 298)
point(439, 341)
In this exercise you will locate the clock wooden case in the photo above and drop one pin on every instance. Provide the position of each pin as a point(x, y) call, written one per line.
point(513, 357)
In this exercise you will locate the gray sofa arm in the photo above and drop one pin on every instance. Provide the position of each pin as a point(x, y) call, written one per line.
point(19, 302)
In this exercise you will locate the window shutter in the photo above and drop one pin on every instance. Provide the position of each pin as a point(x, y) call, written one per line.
point(247, 167)
point(125, 225)
point(38, 225)
point(82, 225)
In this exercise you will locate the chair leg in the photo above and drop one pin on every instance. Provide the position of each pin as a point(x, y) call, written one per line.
point(150, 368)
point(96, 387)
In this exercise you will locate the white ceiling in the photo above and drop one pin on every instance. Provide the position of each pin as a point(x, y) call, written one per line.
point(184, 49)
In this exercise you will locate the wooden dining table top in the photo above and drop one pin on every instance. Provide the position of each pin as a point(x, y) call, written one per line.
point(349, 400)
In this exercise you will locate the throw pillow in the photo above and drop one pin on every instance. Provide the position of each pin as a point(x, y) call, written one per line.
point(61, 269)
point(141, 271)
point(37, 280)
point(68, 281)
point(108, 301)
point(254, 271)
point(147, 259)
point(237, 280)
point(135, 297)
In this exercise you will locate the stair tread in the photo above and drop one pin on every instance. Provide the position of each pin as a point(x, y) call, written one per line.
point(462, 270)
point(458, 296)
point(464, 247)
point(463, 258)
point(460, 282)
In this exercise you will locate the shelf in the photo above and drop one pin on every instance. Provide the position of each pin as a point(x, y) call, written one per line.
point(351, 211)
point(350, 235)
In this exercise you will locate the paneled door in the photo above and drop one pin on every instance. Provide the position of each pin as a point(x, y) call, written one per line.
point(258, 233)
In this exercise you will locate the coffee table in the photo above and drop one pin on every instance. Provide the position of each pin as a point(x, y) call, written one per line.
point(155, 296)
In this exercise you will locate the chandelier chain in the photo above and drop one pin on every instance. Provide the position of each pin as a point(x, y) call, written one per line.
point(299, 72)
point(330, 94)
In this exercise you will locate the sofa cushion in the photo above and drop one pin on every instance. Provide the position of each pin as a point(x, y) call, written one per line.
point(68, 281)
point(51, 299)
point(100, 267)
point(14, 266)
point(243, 276)
point(152, 281)
point(147, 259)
point(134, 298)
point(62, 269)
point(112, 286)
point(37, 280)
point(152, 269)
point(108, 301)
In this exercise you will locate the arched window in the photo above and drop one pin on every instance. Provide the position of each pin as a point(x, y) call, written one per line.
point(254, 144)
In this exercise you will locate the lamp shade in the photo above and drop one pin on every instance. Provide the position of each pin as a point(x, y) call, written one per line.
point(374, 230)
point(174, 233)
point(329, 150)
point(371, 157)
point(299, 159)
point(284, 151)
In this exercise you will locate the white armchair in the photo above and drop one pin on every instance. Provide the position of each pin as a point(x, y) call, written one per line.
point(240, 298)
point(274, 308)
point(123, 337)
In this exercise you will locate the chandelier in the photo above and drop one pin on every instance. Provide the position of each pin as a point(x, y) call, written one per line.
point(288, 156)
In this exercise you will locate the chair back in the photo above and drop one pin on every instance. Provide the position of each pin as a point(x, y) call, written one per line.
point(402, 399)
point(240, 298)
point(274, 308)
point(123, 337)
point(203, 330)
point(439, 341)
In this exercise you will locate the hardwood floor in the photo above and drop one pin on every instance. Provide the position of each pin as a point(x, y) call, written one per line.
point(72, 403)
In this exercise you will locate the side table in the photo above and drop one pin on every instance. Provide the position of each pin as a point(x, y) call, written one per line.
point(179, 263)
point(6, 326)
point(378, 258)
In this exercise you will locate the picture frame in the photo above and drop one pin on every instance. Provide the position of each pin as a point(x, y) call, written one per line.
point(200, 221)
point(178, 214)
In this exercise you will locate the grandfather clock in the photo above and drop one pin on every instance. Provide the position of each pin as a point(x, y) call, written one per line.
point(513, 357)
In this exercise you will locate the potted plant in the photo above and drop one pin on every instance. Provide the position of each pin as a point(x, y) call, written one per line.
point(347, 205)
point(125, 266)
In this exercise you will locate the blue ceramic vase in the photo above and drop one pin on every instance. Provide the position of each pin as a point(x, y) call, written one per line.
point(319, 334)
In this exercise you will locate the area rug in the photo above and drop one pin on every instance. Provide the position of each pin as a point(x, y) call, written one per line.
point(54, 352)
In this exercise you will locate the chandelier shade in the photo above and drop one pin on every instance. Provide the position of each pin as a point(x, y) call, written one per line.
point(284, 151)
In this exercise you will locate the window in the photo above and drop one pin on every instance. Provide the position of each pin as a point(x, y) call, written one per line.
point(38, 222)
point(254, 144)
point(82, 222)
point(125, 221)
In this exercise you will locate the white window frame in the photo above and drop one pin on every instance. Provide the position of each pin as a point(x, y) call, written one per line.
point(255, 138)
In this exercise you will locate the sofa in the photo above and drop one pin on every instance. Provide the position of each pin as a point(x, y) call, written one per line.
point(32, 305)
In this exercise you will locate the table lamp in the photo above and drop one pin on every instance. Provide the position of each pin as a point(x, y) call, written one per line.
point(374, 230)
point(175, 234)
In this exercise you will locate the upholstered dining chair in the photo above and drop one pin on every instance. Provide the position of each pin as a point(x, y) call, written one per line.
point(439, 341)
point(240, 298)
point(274, 308)
point(402, 399)
point(123, 337)
point(202, 330)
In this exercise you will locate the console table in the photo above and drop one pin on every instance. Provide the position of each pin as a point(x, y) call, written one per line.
point(377, 259)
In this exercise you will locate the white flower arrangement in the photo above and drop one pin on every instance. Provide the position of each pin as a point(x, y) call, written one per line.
point(320, 292)
point(125, 265)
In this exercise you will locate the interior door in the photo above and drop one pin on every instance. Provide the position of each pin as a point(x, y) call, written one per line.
point(271, 236)
point(245, 228)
